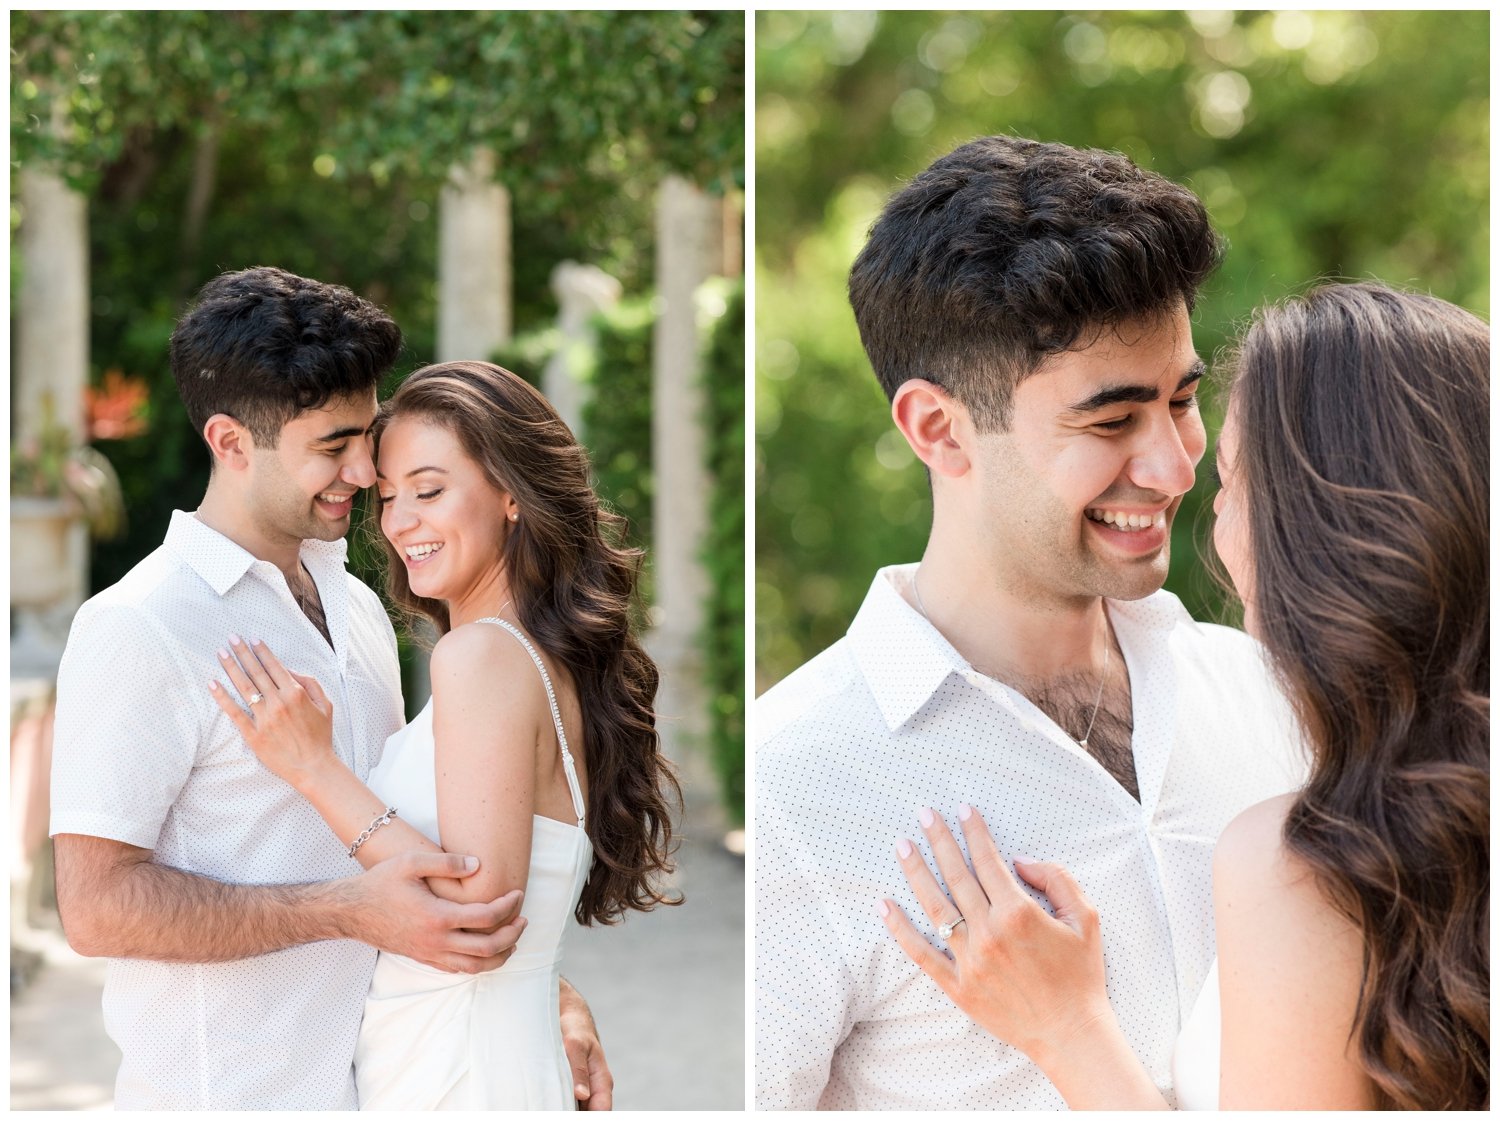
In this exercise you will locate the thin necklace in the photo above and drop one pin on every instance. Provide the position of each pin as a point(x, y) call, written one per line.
point(1103, 677)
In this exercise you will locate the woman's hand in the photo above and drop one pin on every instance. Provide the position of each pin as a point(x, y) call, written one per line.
point(289, 722)
point(1033, 980)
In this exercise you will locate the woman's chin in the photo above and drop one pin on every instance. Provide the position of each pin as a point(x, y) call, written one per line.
point(423, 587)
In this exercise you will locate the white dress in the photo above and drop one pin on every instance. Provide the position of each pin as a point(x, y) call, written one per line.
point(434, 1040)
point(1195, 1061)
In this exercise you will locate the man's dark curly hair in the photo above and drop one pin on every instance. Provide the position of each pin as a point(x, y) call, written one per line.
point(1007, 250)
point(262, 345)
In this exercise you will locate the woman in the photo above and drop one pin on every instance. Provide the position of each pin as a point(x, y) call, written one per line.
point(1351, 917)
point(538, 751)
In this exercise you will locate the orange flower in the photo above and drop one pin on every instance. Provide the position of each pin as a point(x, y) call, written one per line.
point(117, 410)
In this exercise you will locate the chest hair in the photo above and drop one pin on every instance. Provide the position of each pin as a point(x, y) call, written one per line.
point(305, 592)
point(1069, 701)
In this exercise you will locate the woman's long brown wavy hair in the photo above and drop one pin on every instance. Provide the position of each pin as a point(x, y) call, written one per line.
point(573, 585)
point(1363, 417)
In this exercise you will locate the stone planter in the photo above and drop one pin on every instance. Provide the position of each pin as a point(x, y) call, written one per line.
point(40, 574)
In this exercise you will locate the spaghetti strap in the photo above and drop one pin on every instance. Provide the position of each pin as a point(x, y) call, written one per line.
point(562, 737)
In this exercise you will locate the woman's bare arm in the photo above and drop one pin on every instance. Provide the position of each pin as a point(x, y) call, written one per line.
point(489, 709)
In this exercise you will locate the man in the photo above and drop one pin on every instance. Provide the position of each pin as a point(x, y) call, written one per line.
point(1025, 306)
point(243, 935)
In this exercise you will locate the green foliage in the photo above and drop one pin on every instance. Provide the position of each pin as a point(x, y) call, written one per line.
point(527, 355)
point(1299, 130)
point(723, 635)
point(574, 104)
point(617, 417)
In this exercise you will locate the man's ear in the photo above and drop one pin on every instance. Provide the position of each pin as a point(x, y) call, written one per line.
point(229, 441)
point(935, 425)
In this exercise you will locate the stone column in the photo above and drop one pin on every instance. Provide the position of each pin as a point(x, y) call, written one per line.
point(474, 296)
point(51, 372)
point(474, 275)
point(52, 325)
point(582, 291)
point(689, 243)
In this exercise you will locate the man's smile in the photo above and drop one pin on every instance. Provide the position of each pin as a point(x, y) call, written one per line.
point(336, 504)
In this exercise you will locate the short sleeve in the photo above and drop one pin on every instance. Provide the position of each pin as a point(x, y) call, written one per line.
point(127, 730)
point(802, 981)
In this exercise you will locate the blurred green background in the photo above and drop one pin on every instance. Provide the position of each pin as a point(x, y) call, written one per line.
point(1325, 144)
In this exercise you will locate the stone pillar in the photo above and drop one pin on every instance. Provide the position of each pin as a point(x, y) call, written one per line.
point(689, 240)
point(51, 372)
point(582, 292)
point(474, 297)
point(474, 276)
point(52, 327)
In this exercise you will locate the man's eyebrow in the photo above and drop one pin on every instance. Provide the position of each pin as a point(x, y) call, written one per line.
point(342, 434)
point(1133, 394)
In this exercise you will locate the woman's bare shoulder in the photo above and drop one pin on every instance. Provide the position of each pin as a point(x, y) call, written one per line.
point(1264, 883)
point(483, 665)
point(1290, 964)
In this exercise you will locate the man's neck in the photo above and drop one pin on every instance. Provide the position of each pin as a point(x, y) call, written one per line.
point(226, 513)
point(1006, 634)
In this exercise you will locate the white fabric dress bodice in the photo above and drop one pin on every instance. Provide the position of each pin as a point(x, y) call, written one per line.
point(1195, 1062)
point(434, 1040)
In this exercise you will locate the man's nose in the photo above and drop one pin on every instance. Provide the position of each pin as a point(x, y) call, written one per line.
point(359, 468)
point(1166, 462)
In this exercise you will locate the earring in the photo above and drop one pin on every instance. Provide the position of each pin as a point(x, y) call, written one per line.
point(514, 517)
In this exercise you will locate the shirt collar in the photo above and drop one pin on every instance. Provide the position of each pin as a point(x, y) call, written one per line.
point(904, 658)
point(221, 563)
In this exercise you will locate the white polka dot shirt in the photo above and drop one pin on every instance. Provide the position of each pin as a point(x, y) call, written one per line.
point(890, 719)
point(143, 755)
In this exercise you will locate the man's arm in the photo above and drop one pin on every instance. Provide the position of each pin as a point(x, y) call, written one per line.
point(116, 902)
point(592, 1082)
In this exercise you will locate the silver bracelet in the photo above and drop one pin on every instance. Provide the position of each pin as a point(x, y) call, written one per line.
point(383, 819)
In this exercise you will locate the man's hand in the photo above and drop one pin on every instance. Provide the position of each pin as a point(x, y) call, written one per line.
point(393, 909)
point(593, 1085)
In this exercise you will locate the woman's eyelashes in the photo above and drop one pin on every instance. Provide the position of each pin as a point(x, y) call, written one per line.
point(384, 498)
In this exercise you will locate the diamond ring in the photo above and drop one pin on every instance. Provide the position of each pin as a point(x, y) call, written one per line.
point(945, 931)
point(256, 698)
